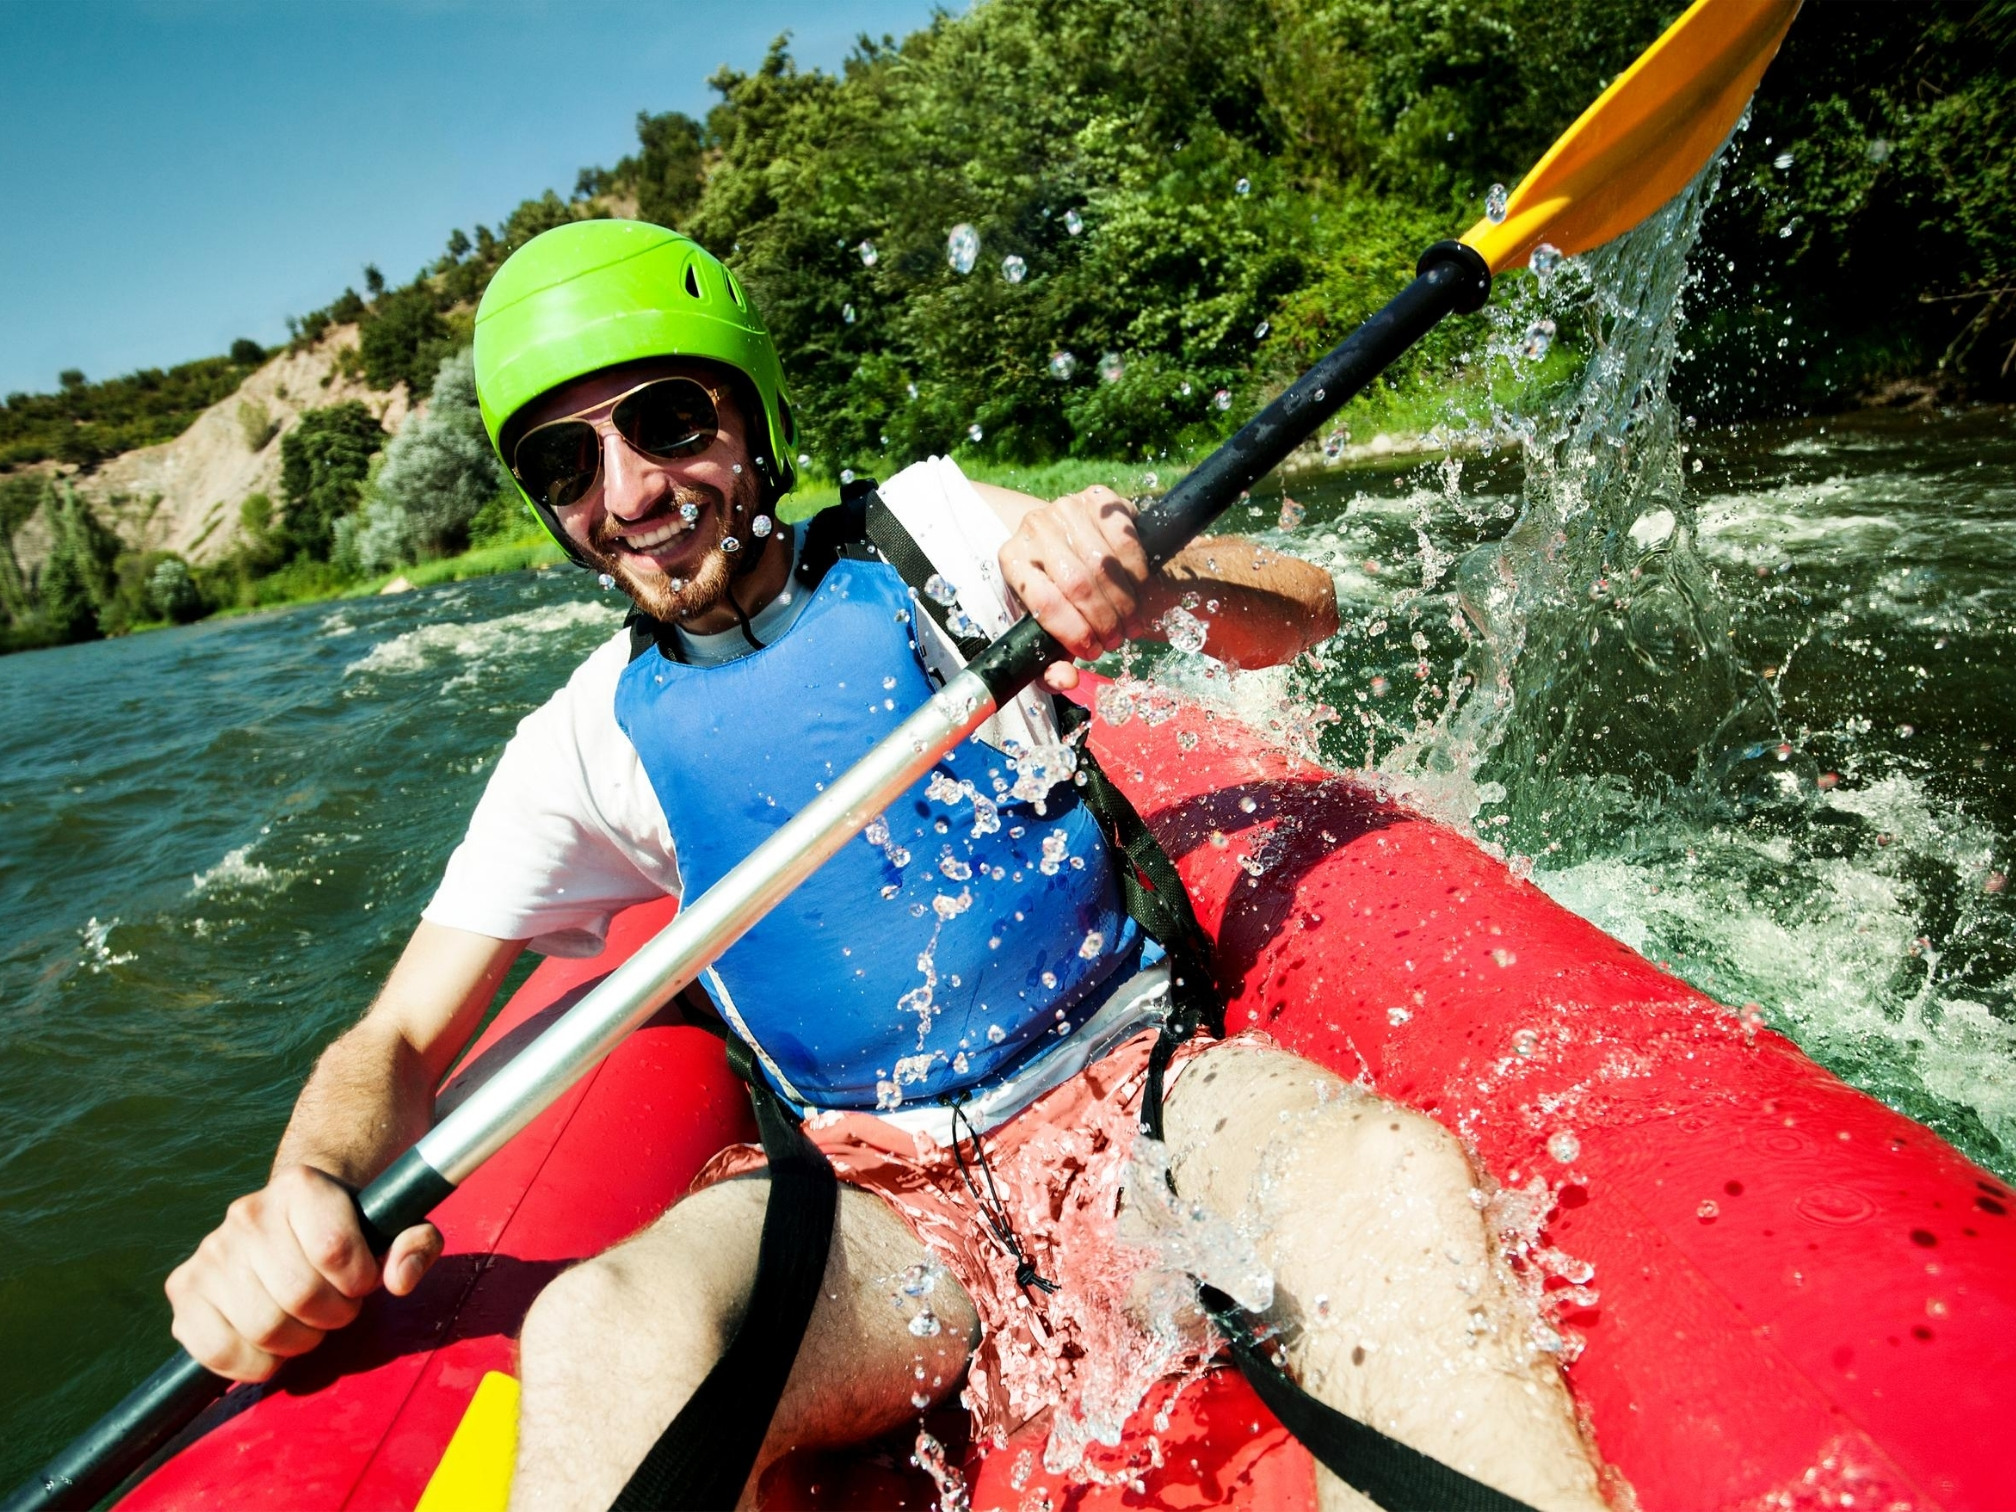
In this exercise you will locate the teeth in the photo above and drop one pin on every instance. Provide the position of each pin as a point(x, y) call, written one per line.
point(655, 538)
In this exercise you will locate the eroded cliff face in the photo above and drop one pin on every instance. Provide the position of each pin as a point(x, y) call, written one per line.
point(183, 495)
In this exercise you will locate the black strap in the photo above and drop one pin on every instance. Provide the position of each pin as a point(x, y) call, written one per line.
point(1396, 1476)
point(703, 1459)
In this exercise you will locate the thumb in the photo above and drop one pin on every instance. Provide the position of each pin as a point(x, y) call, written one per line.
point(411, 1256)
point(1060, 677)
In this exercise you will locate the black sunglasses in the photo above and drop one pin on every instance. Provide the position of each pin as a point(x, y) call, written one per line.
point(559, 462)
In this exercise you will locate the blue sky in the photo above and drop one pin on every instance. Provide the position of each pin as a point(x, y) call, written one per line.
point(177, 173)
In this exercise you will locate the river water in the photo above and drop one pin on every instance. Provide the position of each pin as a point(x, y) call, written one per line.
point(1741, 700)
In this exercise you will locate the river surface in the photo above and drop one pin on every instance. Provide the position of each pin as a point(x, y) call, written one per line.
point(217, 837)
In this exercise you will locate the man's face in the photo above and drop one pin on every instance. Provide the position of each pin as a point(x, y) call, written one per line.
point(634, 523)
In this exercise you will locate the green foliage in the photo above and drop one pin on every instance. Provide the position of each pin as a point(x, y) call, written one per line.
point(1867, 225)
point(246, 352)
point(439, 472)
point(172, 591)
point(77, 580)
point(87, 422)
point(403, 339)
point(255, 424)
point(664, 177)
point(323, 463)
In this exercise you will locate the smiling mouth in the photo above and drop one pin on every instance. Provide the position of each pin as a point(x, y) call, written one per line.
point(653, 542)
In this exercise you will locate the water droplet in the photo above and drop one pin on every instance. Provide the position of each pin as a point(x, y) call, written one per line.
point(1115, 704)
point(1247, 805)
point(804, 459)
point(1243, 188)
point(1564, 1146)
point(1539, 337)
point(1185, 632)
point(1091, 945)
point(689, 511)
point(1878, 150)
point(1111, 367)
point(1260, 331)
point(1708, 1212)
point(605, 580)
point(1073, 222)
point(1379, 687)
point(760, 526)
point(869, 256)
point(918, 1281)
point(1545, 259)
point(730, 544)
point(973, 431)
point(1494, 204)
point(925, 1325)
point(846, 475)
point(1291, 513)
point(1782, 161)
point(1186, 740)
point(996, 1034)
point(1062, 365)
point(1218, 840)
point(1014, 269)
point(962, 248)
point(847, 313)
point(1222, 399)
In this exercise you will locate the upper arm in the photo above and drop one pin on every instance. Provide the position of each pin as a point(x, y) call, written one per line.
point(438, 991)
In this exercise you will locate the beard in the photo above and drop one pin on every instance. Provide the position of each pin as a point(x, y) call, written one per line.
point(698, 586)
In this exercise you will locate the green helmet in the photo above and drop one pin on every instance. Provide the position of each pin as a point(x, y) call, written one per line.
point(595, 293)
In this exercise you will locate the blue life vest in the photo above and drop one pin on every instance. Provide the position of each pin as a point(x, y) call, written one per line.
point(909, 967)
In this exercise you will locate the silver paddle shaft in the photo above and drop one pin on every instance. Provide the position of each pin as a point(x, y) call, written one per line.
point(705, 927)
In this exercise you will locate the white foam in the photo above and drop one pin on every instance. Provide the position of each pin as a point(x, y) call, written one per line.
point(479, 642)
point(239, 872)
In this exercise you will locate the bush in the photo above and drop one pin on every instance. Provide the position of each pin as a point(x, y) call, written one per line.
point(247, 352)
point(255, 423)
point(172, 592)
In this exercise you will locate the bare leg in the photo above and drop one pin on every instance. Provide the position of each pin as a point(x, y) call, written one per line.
point(613, 1348)
point(1386, 1283)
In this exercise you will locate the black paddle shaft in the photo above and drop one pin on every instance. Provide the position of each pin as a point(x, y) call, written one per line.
point(1450, 279)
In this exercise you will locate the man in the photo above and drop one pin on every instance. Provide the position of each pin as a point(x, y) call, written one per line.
point(958, 991)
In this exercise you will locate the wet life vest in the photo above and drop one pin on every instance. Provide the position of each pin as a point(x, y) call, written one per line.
point(935, 953)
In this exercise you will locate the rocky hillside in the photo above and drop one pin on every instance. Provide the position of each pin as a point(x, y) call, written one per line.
point(183, 495)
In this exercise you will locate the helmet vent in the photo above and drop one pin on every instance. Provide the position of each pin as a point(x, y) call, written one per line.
point(735, 288)
point(692, 280)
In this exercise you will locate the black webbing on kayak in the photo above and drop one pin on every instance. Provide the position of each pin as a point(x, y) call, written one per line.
point(704, 1458)
point(1396, 1476)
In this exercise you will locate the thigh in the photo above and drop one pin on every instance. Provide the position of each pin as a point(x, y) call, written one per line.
point(1397, 1307)
point(616, 1346)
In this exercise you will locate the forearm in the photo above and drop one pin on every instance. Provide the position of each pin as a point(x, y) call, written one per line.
point(370, 1096)
point(1259, 607)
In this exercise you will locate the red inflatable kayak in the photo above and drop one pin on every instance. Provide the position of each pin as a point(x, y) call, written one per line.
point(1783, 1294)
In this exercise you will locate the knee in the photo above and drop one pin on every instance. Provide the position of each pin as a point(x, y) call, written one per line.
point(590, 1313)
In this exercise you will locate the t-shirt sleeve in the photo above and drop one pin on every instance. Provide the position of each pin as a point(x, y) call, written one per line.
point(568, 832)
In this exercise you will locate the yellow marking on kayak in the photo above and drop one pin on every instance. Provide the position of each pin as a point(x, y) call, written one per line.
point(475, 1472)
point(1646, 136)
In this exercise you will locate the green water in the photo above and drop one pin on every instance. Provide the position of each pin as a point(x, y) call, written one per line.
point(217, 837)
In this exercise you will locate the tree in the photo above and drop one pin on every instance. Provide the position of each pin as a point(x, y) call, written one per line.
point(666, 175)
point(458, 245)
point(247, 353)
point(374, 281)
point(72, 379)
point(439, 472)
point(402, 340)
point(323, 464)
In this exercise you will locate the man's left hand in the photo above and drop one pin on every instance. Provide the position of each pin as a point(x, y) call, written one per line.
point(1078, 567)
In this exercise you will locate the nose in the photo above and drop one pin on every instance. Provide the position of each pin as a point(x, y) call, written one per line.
point(630, 486)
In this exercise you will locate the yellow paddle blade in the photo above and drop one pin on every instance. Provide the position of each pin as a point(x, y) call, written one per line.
point(475, 1470)
point(1646, 136)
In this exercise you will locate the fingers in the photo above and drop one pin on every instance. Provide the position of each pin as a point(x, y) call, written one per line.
point(412, 1255)
point(1077, 566)
point(287, 1264)
point(1060, 677)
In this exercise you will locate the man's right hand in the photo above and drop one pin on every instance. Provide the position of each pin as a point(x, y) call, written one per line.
point(288, 1264)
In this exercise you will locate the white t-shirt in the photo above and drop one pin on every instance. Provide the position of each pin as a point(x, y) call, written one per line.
point(569, 833)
